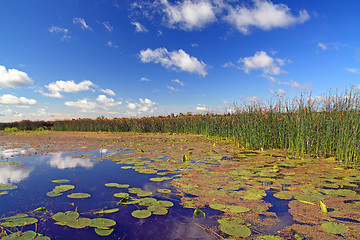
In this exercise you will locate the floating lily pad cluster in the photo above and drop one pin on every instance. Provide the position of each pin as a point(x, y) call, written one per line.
point(28, 235)
point(4, 187)
point(73, 220)
point(60, 189)
point(19, 220)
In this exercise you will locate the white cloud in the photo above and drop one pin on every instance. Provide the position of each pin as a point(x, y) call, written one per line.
point(189, 14)
point(179, 59)
point(295, 85)
point(84, 104)
point(14, 174)
point(264, 15)
point(8, 99)
point(12, 78)
point(178, 81)
point(82, 23)
point(353, 70)
point(111, 44)
point(172, 88)
point(142, 107)
point(202, 108)
point(262, 61)
point(322, 46)
point(108, 102)
point(108, 26)
point(59, 86)
point(108, 92)
point(59, 30)
point(139, 27)
point(144, 79)
point(60, 162)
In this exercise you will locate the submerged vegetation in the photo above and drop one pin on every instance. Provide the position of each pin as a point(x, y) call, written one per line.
point(322, 126)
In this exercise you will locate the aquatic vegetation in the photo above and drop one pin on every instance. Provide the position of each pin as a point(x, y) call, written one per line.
point(19, 222)
point(234, 227)
point(60, 181)
point(7, 186)
point(141, 213)
point(334, 228)
point(79, 195)
point(40, 209)
point(117, 185)
point(28, 235)
point(113, 210)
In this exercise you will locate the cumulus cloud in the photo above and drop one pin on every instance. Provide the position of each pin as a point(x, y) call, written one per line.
point(111, 44)
point(142, 107)
point(144, 79)
point(139, 27)
point(59, 30)
point(13, 78)
point(14, 174)
point(264, 15)
point(108, 26)
point(108, 92)
point(8, 99)
point(202, 108)
point(189, 14)
point(60, 162)
point(178, 81)
point(264, 62)
point(82, 23)
point(85, 105)
point(175, 60)
point(59, 86)
point(108, 102)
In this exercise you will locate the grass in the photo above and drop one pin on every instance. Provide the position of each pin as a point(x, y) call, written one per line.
point(323, 126)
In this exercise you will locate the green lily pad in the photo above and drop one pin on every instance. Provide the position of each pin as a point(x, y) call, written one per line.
point(63, 188)
point(21, 215)
point(284, 195)
point(102, 223)
point(19, 222)
point(41, 237)
point(157, 179)
point(269, 237)
point(40, 209)
point(160, 211)
point(53, 194)
point(141, 213)
point(335, 228)
point(29, 235)
point(147, 201)
point(237, 209)
point(60, 181)
point(218, 206)
point(117, 185)
point(79, 195)
point(197, 212)
point(7, 186)
point(103, 232)
point(235, 230)
point(65, 217)
point(126, 167)
point(107, 211)
point(121, 195)
point(166, 203)
point(164, 190)
point(3, 193)
point(79, 223)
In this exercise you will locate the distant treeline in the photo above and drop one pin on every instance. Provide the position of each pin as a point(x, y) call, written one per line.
point(323, 126)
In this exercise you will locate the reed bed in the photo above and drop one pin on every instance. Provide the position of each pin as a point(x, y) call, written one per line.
point(322, 126)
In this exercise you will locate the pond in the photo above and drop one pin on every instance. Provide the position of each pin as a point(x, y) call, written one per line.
point(130, 186)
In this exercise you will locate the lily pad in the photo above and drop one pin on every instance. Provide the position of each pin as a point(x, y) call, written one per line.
point(53, 194)
point(166, 203)
point(237, 209)
point(102, 223)
point(107, 211)
point(40, 209)
point(79, 195)
point(60, 181)
point(7, 186)
point(117, 185)
point(65, 217)
point(121, 195)
point(335, 228)
point(63, 188)
point(141, 213)
point(103, 232)
point(79, 223)
point(19, 222)
point(3, 193)
point(21, 215)
point(164, 190)
point(29, 235)
point(147, 201)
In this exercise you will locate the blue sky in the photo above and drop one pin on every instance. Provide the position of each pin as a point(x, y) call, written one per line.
point(76, 59)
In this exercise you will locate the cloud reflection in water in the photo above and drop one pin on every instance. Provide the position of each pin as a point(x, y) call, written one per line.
point(60, 162)
point(14, 174)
